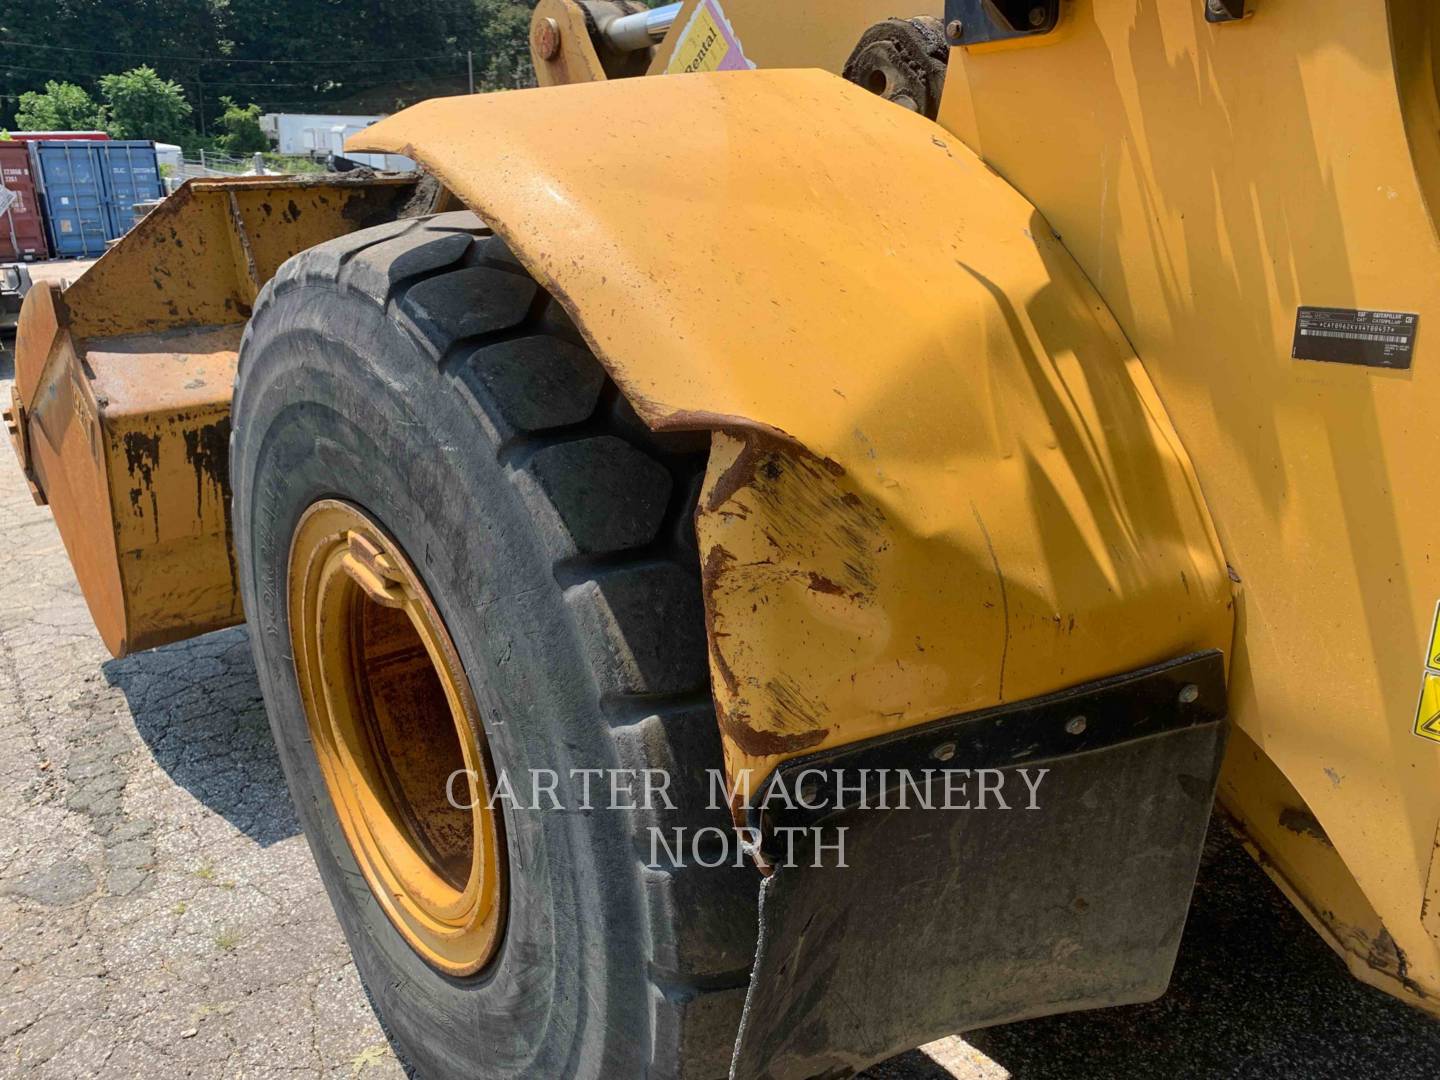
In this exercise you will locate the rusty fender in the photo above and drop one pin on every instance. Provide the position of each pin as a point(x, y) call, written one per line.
point(940, 479)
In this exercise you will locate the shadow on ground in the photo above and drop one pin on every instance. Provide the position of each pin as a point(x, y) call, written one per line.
point(1255, 993)
point(197, 705)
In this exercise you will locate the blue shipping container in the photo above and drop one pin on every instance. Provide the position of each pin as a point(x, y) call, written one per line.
point(88, 190)
point(132, 176)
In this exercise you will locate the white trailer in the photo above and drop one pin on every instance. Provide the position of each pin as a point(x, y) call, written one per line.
point(321, 136)
point(310, 134)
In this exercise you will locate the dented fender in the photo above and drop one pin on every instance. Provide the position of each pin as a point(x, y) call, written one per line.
point(940, 479)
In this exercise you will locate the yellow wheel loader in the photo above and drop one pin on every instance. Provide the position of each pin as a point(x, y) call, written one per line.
point(790, 410)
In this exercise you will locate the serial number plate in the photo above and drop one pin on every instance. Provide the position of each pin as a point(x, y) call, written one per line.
point(1346, 336)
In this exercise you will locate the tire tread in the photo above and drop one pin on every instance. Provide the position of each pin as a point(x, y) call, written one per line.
point(613, 504)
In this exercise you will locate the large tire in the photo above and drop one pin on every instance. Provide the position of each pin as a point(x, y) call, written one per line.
point(417, 371)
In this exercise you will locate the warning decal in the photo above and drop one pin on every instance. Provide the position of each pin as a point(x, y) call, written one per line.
point(1427, 712)
point(708, 43)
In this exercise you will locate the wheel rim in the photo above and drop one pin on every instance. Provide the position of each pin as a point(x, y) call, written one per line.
point(398, 737)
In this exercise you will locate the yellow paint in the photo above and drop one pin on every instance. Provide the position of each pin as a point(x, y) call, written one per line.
point(1432, 653)
point(123, 384)
point(393, 721)
point(1427, 712)
point(1208, 180)
point(1289, 851)
point(791, 35)
point(1430, 907)
point(945, 480)
point(576, 60)
point(857, 289)
point(202, 255)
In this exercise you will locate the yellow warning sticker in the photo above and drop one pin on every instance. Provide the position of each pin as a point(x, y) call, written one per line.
point(1432, 653)
point(1427, 712)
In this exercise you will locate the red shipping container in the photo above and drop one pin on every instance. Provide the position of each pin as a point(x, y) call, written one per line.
point(22, 231)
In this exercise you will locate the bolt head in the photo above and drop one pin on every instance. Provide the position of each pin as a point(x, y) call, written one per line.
point(547, 39)
point(955, 29)
point(1038, 15)
point(1075, 725)
point(1189, 693)
point(943, 752)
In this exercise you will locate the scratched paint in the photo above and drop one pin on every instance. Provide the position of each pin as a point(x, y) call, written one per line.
point(939, 478)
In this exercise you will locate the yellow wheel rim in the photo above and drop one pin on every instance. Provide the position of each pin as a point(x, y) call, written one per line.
point(398, 737)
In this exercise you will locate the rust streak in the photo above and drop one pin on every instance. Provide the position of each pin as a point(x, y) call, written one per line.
point(717, 559)
point(822, 584)
point(142, 458)
point(765, 743)
point(207, 449)
point(740, 474)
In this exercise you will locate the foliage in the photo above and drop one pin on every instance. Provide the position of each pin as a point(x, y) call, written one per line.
point(502, 44)
point(282, 55)
point(62, 106)
point(286, 164)
point(142, 105)
point(241, 127)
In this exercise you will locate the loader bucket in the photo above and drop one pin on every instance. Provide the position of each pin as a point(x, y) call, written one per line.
point(120, 409)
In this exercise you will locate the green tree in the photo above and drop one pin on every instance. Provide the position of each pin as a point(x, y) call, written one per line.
point(142, 105)
point(241, 128)
point(501, 38)
point(62, 107)
point(284, 55)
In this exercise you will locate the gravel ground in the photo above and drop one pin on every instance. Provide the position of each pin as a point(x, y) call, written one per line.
point(159, 911)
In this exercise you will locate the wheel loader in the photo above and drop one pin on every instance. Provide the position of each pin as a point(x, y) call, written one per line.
point(787, 408)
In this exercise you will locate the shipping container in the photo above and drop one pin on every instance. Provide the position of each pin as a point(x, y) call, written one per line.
point(89, 190)
point(22, 229)
point(132, 176)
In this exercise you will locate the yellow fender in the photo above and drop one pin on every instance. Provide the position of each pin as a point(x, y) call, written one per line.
point(941, 479)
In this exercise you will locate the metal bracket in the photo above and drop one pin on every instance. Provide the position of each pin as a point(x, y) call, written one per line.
point(903, 60)
point(976, 22)
point(1172, 696)
point(1223, 11)
point(374, 571)
point(17, 423)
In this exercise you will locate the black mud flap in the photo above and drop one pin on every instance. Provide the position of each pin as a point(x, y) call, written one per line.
point(944, 920)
